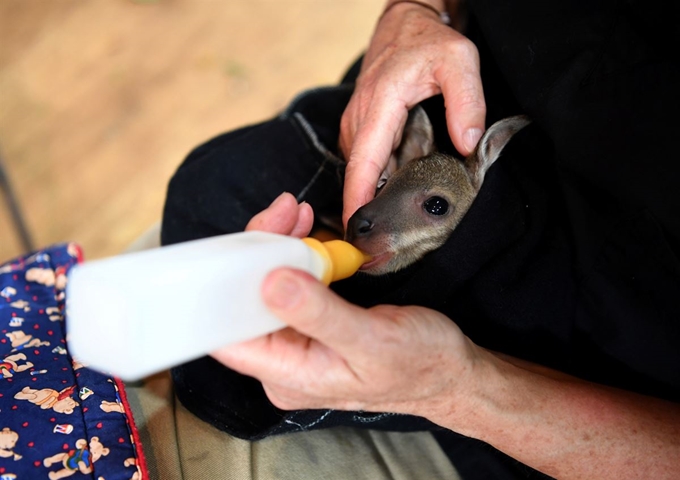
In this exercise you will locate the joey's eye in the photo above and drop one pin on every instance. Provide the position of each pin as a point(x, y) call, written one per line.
point(436, 206)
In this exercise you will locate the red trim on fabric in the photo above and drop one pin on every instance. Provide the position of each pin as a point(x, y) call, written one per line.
point(80, 256)
point(139, 449)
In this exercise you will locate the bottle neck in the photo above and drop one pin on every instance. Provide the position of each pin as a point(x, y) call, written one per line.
point(340, 259)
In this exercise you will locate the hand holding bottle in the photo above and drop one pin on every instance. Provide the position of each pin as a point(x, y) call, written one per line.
point(338, 355)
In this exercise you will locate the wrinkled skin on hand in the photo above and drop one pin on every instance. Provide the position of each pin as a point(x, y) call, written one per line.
point(416, 361)
point(412, 56)
point(338, 355)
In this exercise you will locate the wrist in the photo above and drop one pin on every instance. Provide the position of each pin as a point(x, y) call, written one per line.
point(452, 400)
point(467, 406)
point(439, 5)
point(435, 7)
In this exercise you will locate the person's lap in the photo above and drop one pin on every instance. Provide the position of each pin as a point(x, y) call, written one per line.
point(178, 445)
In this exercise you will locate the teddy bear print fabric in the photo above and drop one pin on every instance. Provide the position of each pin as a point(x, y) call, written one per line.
point(58, 419)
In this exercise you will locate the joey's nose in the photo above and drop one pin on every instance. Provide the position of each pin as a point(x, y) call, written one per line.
point(359, 226)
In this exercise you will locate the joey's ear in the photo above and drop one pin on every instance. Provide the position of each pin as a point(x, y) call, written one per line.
point(491, 145)
point(417, 139)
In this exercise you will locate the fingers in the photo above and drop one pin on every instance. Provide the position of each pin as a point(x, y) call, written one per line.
point(284, 216)
point(361, 179)
point(314, 310)
point(310, 357)
point(304, 222)
point(260, 356)
point(369, 147)
point(337, 355)
point(461, 86)
point(373, 122)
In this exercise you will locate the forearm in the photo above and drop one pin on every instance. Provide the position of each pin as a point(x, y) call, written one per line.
point(566, 427)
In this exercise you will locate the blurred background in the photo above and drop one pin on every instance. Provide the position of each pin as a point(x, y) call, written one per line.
point(100, 100)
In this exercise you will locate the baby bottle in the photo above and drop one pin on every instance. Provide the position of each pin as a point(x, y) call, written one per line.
point(139, 313)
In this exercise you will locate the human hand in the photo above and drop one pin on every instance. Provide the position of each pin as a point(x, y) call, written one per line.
point(416, 361)
point(284, 216)
point(338, 355)
point(412, 56)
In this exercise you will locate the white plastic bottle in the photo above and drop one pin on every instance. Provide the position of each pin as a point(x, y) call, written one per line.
point(137, 314)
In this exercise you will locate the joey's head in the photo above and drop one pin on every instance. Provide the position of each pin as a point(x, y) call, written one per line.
point(417, 207)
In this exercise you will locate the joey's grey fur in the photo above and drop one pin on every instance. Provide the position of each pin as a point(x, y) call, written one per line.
point(423, 194)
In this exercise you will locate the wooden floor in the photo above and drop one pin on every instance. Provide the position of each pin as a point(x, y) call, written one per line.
point(101, 99)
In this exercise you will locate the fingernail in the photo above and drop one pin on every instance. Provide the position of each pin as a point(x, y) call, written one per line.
point(278, 199)
point(282, 292)
point(471, 138)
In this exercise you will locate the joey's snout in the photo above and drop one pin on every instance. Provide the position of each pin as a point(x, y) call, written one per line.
point(366, 230)
point(360, 225)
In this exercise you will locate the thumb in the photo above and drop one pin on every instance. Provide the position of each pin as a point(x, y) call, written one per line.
point(375, 138)
point(314, 310)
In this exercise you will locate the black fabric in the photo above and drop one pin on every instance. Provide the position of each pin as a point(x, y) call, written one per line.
point(607, 98)
point(476, 460)
point(569, 255)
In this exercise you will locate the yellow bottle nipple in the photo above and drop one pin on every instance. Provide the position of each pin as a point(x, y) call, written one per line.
point(342, 258)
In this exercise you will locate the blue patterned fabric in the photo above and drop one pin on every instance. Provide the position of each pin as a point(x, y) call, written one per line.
point(58, 419)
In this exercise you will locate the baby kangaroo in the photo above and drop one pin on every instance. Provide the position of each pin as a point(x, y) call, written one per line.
point(423, 195)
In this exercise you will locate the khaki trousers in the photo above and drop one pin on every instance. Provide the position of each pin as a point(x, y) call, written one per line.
point(178, 445)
